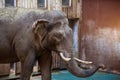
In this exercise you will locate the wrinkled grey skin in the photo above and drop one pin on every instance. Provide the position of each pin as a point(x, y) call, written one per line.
point(32, 37)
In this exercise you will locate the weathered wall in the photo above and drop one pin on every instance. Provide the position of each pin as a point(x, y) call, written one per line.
point(1, 4)
point(74, 10)
point(100, 33)
point(26, 3)
point(54, 4)
point(14, 13)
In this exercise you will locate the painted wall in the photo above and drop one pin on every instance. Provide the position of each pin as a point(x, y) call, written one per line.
point(99, 34)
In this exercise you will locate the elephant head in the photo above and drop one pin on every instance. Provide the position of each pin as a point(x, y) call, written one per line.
point(55, 35)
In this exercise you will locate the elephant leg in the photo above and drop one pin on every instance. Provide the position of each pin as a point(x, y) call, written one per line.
point(45, 62)
point(27, 66)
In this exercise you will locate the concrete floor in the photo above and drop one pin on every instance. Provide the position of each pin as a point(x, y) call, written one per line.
point(65, 75)
point(36, 78)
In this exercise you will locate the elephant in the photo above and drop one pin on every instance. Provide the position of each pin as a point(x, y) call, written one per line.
point(33, 37)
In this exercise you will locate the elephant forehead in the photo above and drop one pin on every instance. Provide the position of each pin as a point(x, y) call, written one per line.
point(63, 21)
point(53, 15)
point(55, 20)
point(56, 14)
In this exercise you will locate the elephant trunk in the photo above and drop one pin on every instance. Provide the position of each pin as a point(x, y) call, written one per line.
point(73, 67)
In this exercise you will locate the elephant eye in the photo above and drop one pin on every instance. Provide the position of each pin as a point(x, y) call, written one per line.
point(49, 27)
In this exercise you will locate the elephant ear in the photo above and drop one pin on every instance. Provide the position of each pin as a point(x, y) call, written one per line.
point(39, 24)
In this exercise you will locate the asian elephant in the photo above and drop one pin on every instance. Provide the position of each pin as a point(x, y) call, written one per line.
point(33, 37)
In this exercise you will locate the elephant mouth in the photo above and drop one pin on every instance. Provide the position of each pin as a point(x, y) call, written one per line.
point(76, 59)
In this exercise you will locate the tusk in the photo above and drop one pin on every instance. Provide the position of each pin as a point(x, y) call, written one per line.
point(68, 59)
point(85, 62)
point(64, 58)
